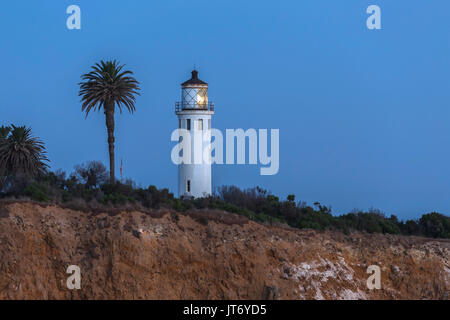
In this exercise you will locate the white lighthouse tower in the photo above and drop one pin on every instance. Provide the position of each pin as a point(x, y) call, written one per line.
point(194, 114)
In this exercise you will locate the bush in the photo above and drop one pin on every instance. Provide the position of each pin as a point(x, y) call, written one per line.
point(435, 225)
point(202, 220)
point(175, 217)
point(93, 174)
point(37, 192)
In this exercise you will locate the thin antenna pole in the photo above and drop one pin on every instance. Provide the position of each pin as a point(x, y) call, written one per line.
point(121, 170)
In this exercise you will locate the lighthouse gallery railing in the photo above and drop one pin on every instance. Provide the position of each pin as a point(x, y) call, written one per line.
point(180, 106)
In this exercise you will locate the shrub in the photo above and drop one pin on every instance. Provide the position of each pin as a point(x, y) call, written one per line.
point(202, 220)
point(93, 174)
point(435, 225)
point(175, 217)
point(37, 192)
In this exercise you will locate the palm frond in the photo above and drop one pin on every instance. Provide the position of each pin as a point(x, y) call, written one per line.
point(21, 153)
point(4, 131)
point(107, 82)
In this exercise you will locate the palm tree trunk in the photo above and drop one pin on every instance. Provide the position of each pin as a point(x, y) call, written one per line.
point(109, 113)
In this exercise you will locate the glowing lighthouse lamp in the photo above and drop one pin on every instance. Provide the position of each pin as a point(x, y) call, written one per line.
point(194, 114)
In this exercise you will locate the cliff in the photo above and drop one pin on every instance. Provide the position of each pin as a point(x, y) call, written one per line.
point(205, 255)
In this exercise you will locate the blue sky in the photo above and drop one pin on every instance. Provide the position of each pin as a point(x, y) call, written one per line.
point(364, 116)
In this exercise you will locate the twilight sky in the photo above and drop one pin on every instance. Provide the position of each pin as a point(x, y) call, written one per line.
point(364, 116)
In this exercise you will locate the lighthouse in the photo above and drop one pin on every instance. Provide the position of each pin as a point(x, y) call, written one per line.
point(194, 114)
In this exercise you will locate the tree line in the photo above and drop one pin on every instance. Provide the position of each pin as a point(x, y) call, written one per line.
point(88, 187)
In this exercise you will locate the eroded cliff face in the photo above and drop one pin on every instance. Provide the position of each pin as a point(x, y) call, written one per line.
point(205, 255)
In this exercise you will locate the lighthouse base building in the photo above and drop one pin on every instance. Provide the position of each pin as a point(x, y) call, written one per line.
point(194, 115)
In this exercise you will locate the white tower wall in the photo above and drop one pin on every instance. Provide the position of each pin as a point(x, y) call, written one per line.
point(199, 175)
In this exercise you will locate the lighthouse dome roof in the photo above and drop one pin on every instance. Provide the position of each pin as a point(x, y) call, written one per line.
point(194, 80)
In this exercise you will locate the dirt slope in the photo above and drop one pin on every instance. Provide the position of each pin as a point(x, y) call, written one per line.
point(136, 255)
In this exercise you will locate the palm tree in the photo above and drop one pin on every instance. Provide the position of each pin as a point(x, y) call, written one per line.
point(102, 89)
point(4, 131)
point(21, 153)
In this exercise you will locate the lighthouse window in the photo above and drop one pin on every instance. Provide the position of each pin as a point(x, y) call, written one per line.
point(179, 123)
point(200, 124)
point(188, 186)
point(202, 98)
point(188, 124)
point(209, 124)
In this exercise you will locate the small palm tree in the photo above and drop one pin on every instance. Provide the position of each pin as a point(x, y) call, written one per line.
point(21, 153)
point(104, 88)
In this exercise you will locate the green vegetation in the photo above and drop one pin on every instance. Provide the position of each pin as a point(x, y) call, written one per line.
point(89, 185)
